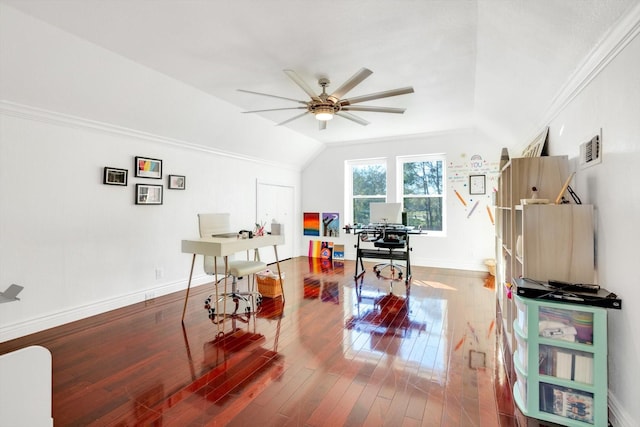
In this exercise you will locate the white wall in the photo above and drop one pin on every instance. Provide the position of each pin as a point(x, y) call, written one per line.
point(80, 247)
point(469, 236)
point(612, 102)
point(67, 110)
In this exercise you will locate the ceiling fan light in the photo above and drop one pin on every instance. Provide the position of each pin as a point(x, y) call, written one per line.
point(324, 113)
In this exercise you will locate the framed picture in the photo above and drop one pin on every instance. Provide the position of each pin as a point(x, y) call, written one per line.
point(477, 184)
point(148, 168)
point(177, 182)
point(115, 176)
point(148, 194)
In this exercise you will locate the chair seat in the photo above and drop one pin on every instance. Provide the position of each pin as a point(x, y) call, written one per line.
point(389, 244)
point(239, 268)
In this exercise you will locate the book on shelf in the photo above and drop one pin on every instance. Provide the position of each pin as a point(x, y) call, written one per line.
point(583, 369)
point(564, 365)
point(566, 402)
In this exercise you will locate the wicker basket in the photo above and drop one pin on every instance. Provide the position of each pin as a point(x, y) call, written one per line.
point(269, 284)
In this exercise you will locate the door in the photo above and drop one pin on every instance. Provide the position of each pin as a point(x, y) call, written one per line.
point(276, 202)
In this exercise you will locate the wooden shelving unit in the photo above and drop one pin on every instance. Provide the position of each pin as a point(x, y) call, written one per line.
point(517, 178)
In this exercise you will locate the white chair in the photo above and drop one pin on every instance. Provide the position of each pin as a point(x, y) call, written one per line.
point(234, 302)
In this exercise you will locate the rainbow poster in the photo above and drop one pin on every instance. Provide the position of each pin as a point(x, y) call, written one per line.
point(311, 224)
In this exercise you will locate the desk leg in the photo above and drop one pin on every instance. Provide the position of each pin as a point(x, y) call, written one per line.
point(275, 251)
point(186, 297)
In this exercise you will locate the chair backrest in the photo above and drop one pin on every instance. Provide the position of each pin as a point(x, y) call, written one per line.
point(209, 224)
point(214, 223)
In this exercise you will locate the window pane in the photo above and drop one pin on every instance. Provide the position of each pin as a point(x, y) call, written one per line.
point(369, 180)
point(361, 209)
point(422, 178)
point(425, 212)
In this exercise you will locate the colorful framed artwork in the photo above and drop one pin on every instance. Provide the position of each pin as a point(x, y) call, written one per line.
point(115, 176)
point(331, 224)
point(148, 168)
point(148, 194)
point(311, 224)
point(177, 182)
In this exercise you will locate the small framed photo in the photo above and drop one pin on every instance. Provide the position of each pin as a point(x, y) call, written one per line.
point(477, 184)
point(115, 176)
point(177, 182)
point(148, 194)
point(148, 168)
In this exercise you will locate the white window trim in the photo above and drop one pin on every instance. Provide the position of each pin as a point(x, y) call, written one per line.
point(348, 181)
point(400, 160)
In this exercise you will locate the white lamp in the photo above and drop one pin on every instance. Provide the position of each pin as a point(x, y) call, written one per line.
point(324, 113)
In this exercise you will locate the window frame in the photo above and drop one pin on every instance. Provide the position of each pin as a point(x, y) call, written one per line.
point(349, 196)
point(400, 161)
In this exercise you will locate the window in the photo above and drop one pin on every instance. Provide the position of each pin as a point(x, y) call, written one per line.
point(368, 183)
point(421, 184)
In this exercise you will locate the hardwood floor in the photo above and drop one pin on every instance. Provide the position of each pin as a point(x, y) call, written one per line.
point(334, 355)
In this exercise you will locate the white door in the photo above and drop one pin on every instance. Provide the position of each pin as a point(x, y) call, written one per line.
point(275, 202)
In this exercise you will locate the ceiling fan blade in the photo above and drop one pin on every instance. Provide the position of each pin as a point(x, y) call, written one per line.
point(272, 96)
point(373, 109)
point(304, 86)
point(377, 95)
point(275, 109)
point(354, 81)
point(352, 117)
point(322, 124)
point(292, 118)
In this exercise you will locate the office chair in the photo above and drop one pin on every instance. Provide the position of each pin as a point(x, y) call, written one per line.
point(216, 224)
point(396, 241)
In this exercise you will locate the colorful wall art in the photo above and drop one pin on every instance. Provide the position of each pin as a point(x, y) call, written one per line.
point(311, 224)
point(474, 181)
point(331, 224)
point(338, 251)
point(322, 250)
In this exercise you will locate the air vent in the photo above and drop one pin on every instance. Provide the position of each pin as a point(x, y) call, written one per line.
point(591, 151)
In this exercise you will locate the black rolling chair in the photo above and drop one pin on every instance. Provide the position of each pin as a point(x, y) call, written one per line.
point(396, 242)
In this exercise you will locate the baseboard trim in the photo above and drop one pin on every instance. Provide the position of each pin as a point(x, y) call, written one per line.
point(20, 329)
point(618, 417)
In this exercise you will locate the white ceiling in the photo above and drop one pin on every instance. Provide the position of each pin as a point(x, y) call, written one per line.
point(496, 65)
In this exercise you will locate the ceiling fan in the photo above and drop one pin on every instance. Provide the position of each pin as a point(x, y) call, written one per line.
point(325, 106)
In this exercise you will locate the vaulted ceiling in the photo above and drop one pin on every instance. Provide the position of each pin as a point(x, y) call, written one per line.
point(494, 65)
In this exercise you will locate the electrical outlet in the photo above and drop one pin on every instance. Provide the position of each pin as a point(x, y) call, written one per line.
point(159, 273)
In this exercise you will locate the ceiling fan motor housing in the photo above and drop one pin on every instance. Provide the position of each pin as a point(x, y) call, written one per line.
point(326, 105)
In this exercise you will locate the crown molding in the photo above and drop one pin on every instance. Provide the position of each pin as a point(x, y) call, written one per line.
point(27, 112)
point(614, 42)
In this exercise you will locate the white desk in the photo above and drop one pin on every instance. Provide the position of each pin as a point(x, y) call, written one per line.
point(225, 246)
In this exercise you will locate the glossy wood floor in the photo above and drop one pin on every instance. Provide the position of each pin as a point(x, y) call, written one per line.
point(335, 354)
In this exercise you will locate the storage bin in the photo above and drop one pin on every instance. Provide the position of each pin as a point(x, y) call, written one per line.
point(269, 284)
